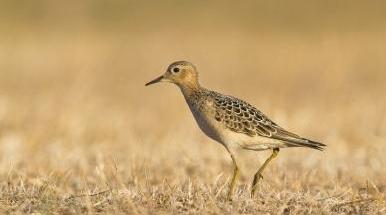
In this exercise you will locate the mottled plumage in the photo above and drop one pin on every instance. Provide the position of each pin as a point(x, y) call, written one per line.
point(231, 121)
point(241, 117)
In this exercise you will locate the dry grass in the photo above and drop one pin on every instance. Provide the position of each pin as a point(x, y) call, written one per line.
point(79, 133)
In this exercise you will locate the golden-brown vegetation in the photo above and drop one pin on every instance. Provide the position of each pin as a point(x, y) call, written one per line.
point(79, 133)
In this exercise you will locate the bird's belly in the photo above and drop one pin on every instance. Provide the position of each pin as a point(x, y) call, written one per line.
point(207, 125)
point(256, 143)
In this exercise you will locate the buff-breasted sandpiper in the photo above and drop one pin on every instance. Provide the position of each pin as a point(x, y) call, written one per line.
point(231, 121)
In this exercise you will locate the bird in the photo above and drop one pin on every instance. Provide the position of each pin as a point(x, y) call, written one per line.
point(232, 122)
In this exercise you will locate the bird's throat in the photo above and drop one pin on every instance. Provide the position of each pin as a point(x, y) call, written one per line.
point(190, 91)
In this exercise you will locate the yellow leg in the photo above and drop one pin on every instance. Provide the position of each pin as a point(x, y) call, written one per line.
point(235, 176)
point(259, 172)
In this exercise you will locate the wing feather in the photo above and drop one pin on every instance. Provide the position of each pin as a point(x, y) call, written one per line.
point(239, 116)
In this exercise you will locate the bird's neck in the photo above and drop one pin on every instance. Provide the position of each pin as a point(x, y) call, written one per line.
point(190, 91)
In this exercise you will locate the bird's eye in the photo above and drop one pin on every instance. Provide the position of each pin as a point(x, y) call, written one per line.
point(176, 69)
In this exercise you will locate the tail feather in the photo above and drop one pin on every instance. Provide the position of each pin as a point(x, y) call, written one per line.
point(309, 144)
point(294, 140)
point(301, 142)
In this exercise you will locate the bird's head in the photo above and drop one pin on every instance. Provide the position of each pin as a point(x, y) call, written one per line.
point(181, 73)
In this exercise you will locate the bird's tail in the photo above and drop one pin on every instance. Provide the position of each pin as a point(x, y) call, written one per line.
point(307, 143)
point(294, 140)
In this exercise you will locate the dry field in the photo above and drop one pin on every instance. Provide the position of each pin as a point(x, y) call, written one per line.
point(79, 132)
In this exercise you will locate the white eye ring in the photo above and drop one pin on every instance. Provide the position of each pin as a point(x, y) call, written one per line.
point(176, 69)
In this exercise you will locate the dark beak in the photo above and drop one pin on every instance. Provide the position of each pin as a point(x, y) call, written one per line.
point(155, 80)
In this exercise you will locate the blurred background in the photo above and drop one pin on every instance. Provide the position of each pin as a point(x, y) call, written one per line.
point(73, 101)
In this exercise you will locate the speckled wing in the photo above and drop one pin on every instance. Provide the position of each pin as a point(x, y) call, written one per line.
point(239, 116)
